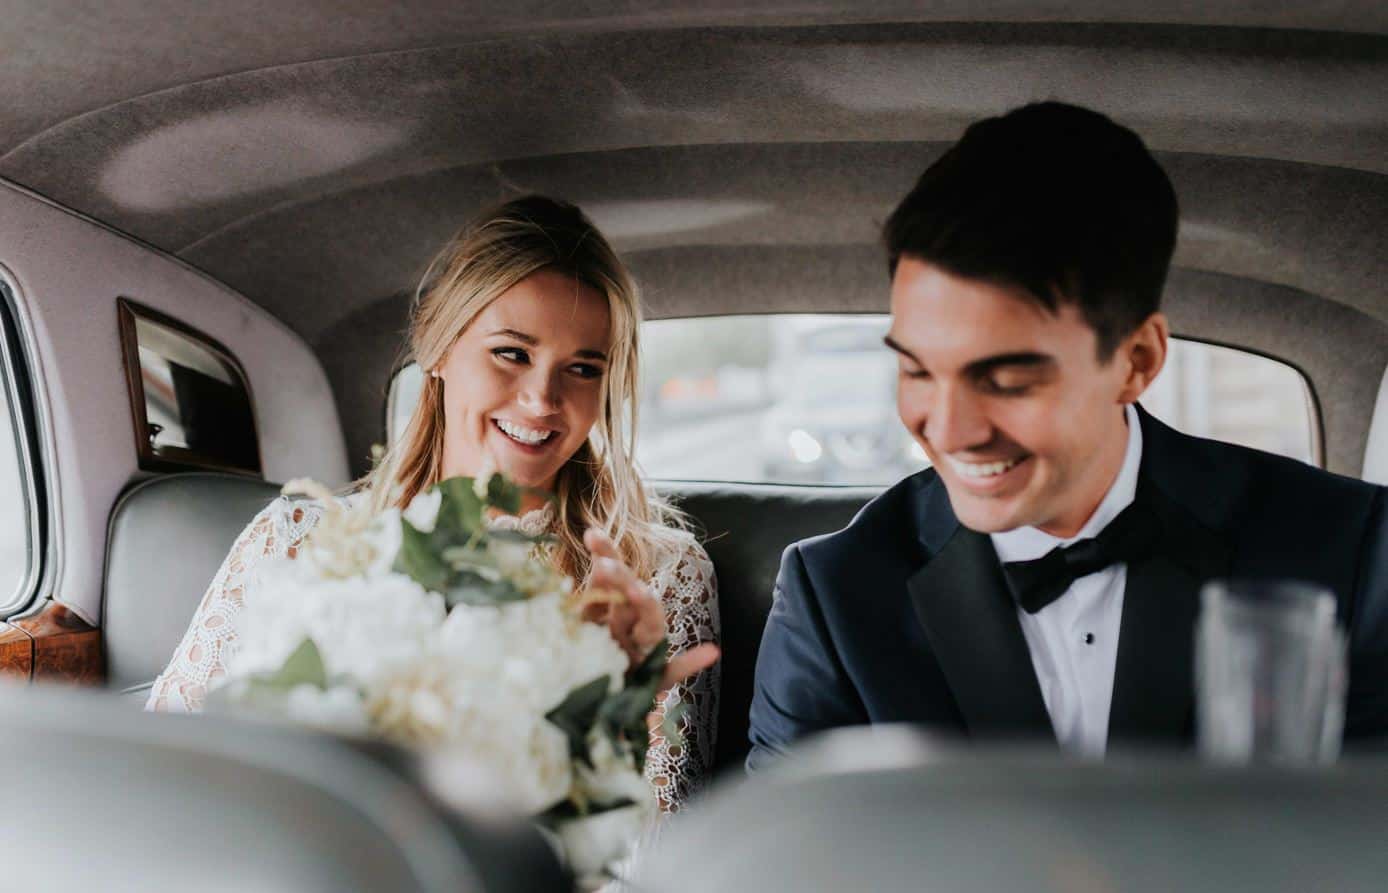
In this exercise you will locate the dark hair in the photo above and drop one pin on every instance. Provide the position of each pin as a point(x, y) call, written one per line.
point(1056, 199)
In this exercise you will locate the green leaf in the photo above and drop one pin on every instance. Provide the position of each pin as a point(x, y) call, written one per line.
point(653, 667)
point(471, 588)
point(567, 811)
point(460, 510)
point(303, 667)
point(516, 536)
point(622, 715)
point(419, 560)
point(577, 713)
point(503, 494)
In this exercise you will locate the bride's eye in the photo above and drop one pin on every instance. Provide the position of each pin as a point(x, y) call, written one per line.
point(513, 354)
point(586, 370)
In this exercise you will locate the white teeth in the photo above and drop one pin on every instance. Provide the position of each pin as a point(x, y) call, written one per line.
point(982, 469)
point(531, 436)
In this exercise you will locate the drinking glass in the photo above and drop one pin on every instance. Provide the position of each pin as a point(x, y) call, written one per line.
point(1270, 673)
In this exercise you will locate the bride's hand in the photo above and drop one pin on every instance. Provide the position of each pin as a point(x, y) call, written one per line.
point(637, 622)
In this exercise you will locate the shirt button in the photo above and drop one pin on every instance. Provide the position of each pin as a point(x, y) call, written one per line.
point(1089, 638)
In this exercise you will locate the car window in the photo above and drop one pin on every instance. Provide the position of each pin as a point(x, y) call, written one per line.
point(812, 399)
point(19, 523)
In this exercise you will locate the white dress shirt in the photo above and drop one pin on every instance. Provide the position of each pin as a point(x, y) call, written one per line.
point(1074, 640)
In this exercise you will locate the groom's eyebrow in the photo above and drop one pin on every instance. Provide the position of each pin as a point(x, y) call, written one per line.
point(586, 353)
point(887, 340)
point(1021, 358)
point(987, 364)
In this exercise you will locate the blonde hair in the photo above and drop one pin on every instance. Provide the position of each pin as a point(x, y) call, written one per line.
point(599, 485)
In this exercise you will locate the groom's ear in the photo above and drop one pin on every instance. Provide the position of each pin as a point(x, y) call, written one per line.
point(1142, 354)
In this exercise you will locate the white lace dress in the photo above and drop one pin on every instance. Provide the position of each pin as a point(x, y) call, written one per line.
point(685, 585)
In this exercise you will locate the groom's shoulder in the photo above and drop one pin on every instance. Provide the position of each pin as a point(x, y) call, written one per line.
point(1270, 480)
point(886, 525)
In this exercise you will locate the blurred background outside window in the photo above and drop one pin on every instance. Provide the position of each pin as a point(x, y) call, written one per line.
point(812, 399)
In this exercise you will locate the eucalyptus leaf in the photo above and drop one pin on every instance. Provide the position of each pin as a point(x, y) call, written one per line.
point(303, 667)
point(622, 715)
point(503, 494)
point(576, 714)
point(516, 536)
point(460, 509)
point(471, 588)
point(419, 560)
point(567, 810)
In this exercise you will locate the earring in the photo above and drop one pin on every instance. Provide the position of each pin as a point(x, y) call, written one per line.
point(434, 372)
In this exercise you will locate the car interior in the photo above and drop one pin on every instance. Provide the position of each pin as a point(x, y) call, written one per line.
point(229, 206)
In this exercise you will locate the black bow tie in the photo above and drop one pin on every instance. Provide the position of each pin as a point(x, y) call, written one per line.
point(1037, 583)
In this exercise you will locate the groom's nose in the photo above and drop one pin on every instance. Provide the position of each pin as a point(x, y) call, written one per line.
point(955, 420)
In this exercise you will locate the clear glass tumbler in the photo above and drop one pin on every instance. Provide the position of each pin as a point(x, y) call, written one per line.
point(1270, 673)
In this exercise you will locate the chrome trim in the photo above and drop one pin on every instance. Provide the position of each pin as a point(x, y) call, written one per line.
point(45, 521)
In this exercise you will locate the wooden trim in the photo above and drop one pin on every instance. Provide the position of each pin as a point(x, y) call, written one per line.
point(16, 652)
point(174, 458)
point(65, 648)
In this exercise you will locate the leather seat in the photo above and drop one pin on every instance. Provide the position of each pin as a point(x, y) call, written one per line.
point(745, 528)
point(120, 801)
point(169, 535)
point(166, 538)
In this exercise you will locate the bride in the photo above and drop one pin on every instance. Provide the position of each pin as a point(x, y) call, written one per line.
point(526, 324)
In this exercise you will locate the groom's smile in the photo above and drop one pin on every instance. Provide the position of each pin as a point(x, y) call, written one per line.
point(1009, 400)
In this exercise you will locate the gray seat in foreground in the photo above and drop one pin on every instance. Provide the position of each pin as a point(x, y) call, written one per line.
point(121, 801)
point(896, 810)
point(169, 535)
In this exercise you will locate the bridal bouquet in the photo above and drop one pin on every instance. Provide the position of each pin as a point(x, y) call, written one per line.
point(428, 628)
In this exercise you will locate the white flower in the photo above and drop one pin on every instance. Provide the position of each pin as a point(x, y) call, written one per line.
point(423, 510)
point(542, 650)
point(335, 709)
point(512, 556)
point(436, 703)
point(593, 842)
point(350, 541)
point(613, 776)
point(362, 626)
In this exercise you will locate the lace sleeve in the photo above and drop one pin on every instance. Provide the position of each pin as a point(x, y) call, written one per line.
point(200, 658)
point(687, 588)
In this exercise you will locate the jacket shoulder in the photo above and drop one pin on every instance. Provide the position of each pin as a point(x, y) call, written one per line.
point(890, 521)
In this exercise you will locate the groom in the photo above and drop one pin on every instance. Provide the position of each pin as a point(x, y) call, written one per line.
point(1027, 268)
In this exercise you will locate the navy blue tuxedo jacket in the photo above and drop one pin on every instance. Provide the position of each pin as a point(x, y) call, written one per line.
point(903, 616)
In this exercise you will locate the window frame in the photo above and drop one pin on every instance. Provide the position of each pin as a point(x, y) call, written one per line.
point(174, 459)
point(19, 378)
point(1313, 400)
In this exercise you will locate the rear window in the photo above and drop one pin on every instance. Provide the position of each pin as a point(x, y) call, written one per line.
point(812, 399)
point(20, 480)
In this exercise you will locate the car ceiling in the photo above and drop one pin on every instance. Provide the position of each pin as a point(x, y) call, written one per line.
point(313, 155)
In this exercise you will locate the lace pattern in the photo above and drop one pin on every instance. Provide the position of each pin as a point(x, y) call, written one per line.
point(685, 585)
point(200, 658)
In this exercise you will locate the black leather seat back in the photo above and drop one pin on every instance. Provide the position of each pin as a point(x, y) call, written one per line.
point(745, 528)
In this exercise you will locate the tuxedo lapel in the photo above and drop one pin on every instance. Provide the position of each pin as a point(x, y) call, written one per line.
point(970, 620)
point(1154, 676)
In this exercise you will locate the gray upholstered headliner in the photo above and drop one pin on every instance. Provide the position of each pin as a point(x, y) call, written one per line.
point(740, 154)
